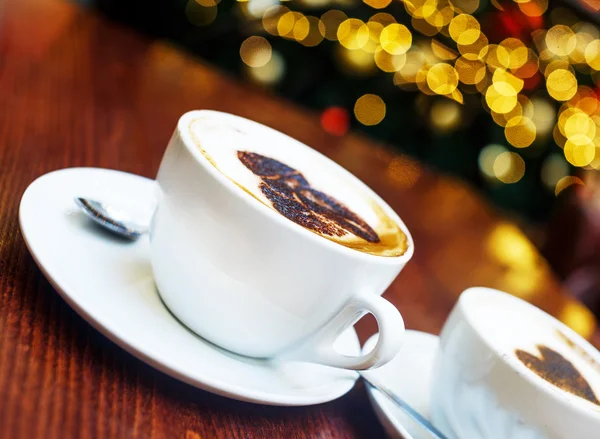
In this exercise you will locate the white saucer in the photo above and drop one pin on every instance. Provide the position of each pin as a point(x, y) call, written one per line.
point(409, 376)
point(109, 283)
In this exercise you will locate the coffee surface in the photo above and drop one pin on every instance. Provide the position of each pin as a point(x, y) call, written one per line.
point(539, 344)
point(299, 184)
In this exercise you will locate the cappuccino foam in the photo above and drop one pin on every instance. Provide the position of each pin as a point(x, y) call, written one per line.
point(532, 340)
point(298, 183)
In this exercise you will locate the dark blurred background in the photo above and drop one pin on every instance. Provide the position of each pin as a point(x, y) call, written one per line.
point(503, 94)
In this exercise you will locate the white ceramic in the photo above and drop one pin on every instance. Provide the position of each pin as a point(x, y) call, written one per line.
point(408, 376)
point(109, 283)
point(248, 279)
point(482, 391)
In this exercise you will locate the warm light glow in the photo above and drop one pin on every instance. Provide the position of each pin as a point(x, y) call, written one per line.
point(369, 109)
point(271, 72)
point(403, 172)
point(592, 54)
point(314, 34)
point(353, 34)
point(501, 97)
point(487, 157)
point(509, 167)
point(331, 21)
point(579, 150)
point(561, 40)
point(464, 29)
point(561, 84)
point(200, 15)
point(520, 132)
point(578, 318)
point(544, 116)
point(470, 71)
point(533, 8)
point(378, 4)
point(553, 169)
point(387, 62)
point(565, 182)
point(445, 115)
point(395, 39)
point(255, 51)
point(442, 78)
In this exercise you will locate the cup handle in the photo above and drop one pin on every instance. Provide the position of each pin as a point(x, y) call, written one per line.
point(319, 348)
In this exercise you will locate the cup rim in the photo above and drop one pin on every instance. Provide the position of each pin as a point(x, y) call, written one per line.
point(235, 190)
point(548, 389)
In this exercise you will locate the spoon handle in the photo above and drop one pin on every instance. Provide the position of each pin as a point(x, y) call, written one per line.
point(406, 408)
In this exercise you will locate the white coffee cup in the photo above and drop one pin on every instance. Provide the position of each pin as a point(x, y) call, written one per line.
point(249, 280)
point(482, 390)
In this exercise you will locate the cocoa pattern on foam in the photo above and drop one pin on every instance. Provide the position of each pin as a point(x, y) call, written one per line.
point(294, 197)
point(557, 370)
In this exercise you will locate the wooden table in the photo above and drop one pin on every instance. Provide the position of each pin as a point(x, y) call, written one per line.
point(76, 90)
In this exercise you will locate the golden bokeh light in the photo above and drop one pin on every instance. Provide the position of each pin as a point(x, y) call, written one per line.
point(578, 54)
point(270, 73)
point(356, 62)
point(470, 70)
point(509, 167)
point(477, 48)
point(442, 78)
point(369, 109)
point(255, 51)
point(565, 182)
point(512, 53)
point(464, 29)
point(579, 318)
point(561, 40)
point(378, 4)
point(544, 116)
point(561, 84)
point(314, 34)
point(487, 157)
point(592, 54)
point(558, 137)
point(533, 8)
point(501, 97)
point(439, 17)
point(271, 17)
point(509, 245)
point(557, 64)
point(403, 172)
point(383, 18)
point(503, 118)
point(445, 115)
point(553, 169)
point(415, 7)
point(331, 21)
point(466, 6)
point(353, 34)
point(200, 15)
point(421, 82)
point(423, 27)
point(579, 123)
point(395, 39)
point(579, 150)
point(387, 62)
point(286, 23)
point(520, 131)
point(530, 67)
point(502, 76)
point(408, 72)
point(301, 28)
point(442, 51)
point(208, 3)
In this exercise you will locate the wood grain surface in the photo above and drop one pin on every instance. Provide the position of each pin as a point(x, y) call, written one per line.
point(76, 90)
